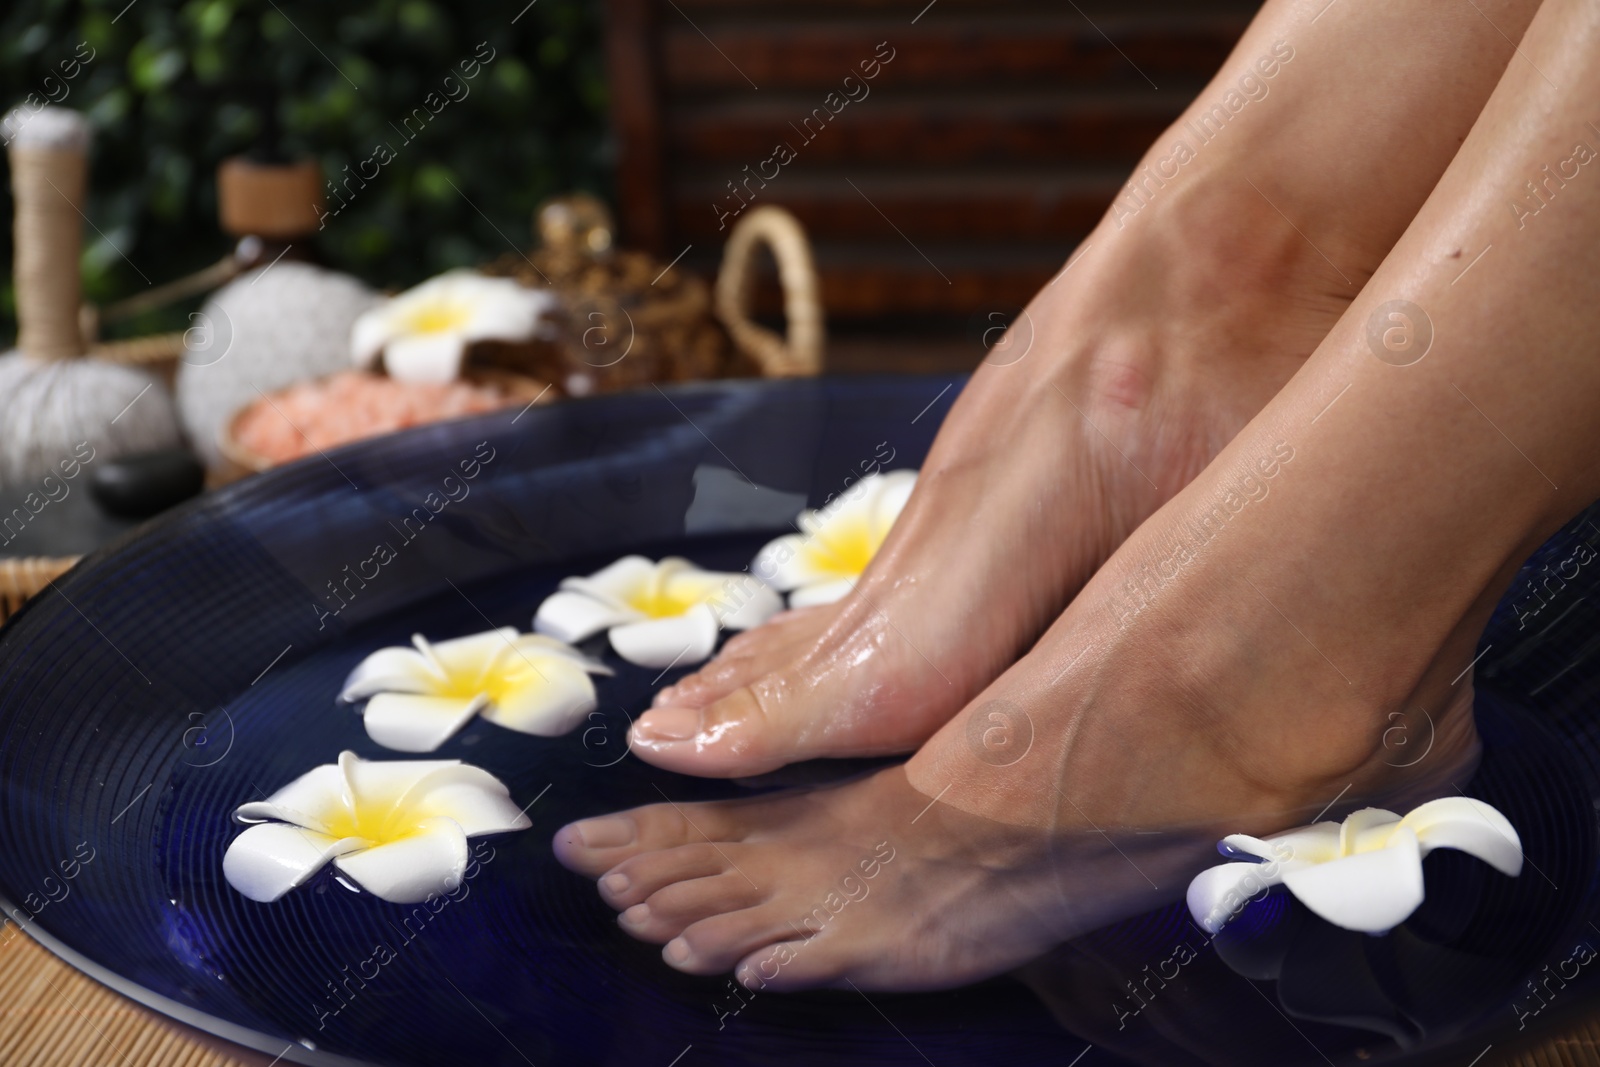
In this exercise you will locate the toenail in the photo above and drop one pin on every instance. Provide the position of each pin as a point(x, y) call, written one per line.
point(670, 724)
point(615, 883)
point(662, 698)
point(677, 951)
point(635, 916)
point(609, 832)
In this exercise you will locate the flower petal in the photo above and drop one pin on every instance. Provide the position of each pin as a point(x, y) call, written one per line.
point(551, 699)
point(537, 646)
point(1471, 826)
point(747, 603)
point(1371, 891)
point(476, 800)
point(808, 596)
point(411, 722)
point(425, 864)
point(379, 785)
point(395, 669)
point(1217, 893)
point(678, 639)
point(893, 490)
point(1366, 830)
point(855, 504)
point(472, 657)
point(507, 310)
point(309, 801)
point(784, 564)
point(1317, 843)
point(427, 358)
point(575, 616)
point(617, 582)
point(267, 861)
point(371, 330)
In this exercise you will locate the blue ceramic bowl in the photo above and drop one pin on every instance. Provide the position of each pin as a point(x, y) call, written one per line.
point(192, 666)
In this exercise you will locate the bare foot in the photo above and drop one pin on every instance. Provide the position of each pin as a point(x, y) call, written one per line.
point(879, 884)
point(1188, 307)
point(870, 882)
point(1237, 664)
point(1088, 782)
point(1140, 365)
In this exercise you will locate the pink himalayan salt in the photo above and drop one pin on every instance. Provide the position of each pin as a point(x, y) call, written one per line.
point(350, 406)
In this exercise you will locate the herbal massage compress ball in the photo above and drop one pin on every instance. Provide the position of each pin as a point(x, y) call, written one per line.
point(52, 398)
point(264, 330)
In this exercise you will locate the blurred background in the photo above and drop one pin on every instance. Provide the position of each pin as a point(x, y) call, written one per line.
point(945, 190)
point(174, 88)
point(642, 191)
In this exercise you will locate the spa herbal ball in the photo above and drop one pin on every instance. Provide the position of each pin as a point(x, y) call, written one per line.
point(53, 406)
point(262, 331)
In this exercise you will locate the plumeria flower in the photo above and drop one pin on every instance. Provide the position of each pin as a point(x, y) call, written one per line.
point(1364, 874)
point(423, 333)
point(398, 829)
point(823, 562)
point(417, 698)
point(656, 614)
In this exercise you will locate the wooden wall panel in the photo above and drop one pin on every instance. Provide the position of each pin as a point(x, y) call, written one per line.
point(1031, 51)
point(958, 180)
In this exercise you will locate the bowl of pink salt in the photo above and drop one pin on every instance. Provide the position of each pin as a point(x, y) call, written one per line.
point(314, 416)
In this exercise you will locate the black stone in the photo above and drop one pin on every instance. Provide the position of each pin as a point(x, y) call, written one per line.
point(136, 487)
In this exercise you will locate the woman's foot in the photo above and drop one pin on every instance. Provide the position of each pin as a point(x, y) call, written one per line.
point(1172, 703)
point(1139, 364)
point(888, 884)
point(1217, 270)
point(870, 883)
point(1238, 665)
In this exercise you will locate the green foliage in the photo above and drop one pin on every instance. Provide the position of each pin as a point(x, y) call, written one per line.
point(175, 86)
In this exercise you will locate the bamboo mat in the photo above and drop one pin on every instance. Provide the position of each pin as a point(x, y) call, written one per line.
point(53, 1016)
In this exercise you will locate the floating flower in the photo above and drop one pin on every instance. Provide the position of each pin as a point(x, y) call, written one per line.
point(822, 562)
point(1364, 874)
point(398, 829)
point(417, 698)
point(656, 614)
point(423, 333)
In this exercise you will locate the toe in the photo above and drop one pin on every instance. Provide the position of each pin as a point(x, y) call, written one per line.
point(634, 880)
point(714, 945)
point(732, 737)
point(669, 911)
point(594, 846)
point(807, 963)
point(714, 681)
point(735, 665)
point(745, 658)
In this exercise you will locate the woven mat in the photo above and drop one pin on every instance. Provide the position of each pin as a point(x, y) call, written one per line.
point(52, 1016)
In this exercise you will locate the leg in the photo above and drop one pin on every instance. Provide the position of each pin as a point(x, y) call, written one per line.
point(1233, 666)
point(1243, 236)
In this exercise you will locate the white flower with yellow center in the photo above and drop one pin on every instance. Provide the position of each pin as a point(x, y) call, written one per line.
point(824, 560)
point(1364, 874)
point(397, 829)
point(417, 698)
point(423, 333)
point(656, 614)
